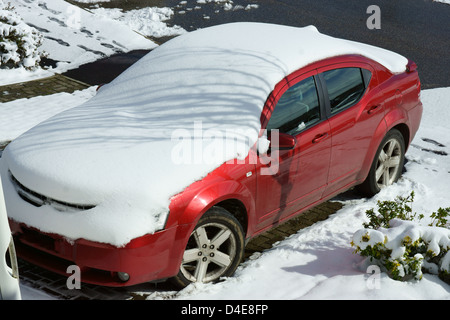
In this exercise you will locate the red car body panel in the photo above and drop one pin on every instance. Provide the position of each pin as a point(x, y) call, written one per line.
point(327, 159)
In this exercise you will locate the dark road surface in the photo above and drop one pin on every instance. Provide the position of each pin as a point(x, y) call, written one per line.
point(417, 29)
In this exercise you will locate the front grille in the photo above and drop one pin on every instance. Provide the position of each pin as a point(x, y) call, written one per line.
point(39, 200)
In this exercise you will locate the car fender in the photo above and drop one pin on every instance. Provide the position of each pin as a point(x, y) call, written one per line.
point(396, 116)
point(378, 136)
point(200, 203)
point(213, 195)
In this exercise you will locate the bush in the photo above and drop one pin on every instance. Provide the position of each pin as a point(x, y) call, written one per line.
point(403, 248)
point(18, 42)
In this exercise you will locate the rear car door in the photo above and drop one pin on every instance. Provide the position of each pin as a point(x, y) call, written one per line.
point(355, 111)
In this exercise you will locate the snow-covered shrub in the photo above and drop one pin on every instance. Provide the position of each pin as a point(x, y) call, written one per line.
point(18, 41)
point(400, 245)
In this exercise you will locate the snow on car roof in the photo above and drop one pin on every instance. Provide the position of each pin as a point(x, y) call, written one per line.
point(174, 116)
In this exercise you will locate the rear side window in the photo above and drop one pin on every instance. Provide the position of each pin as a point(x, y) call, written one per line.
point(297, 109)
point(345, 87)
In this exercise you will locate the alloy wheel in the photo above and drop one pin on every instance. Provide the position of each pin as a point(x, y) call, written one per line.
point(388, 163)
point(211, 250)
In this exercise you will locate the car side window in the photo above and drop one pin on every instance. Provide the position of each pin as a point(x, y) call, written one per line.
point(345, 87)
point(297, 109)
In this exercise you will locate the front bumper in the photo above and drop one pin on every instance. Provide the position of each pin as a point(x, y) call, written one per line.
point(148, 258)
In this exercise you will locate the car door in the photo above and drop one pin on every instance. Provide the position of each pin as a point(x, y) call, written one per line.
point(354, 112)
point(302, 171)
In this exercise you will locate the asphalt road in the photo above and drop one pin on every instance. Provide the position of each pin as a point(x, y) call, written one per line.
point(417, 29)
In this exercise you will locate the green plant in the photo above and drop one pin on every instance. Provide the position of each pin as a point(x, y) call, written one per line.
point(18, 42)
point(395, 240)
point(400, 208)
point(440, 218)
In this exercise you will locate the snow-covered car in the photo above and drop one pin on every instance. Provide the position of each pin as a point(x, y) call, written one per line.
point(207, 141)
point(9, 270)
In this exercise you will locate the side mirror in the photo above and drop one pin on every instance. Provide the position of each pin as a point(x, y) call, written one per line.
point(281, 141)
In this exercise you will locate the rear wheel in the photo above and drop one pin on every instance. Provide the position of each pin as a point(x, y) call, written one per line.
point(214, 249)
point(387, 165)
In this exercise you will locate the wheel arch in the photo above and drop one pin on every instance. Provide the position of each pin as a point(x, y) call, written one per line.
point(405, 131)
point(378, 136)
point(237, 209)
point(229, 195)
point(398, 119)
point(394, 119)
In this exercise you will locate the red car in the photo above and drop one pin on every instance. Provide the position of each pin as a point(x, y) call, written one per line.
point(209, 140)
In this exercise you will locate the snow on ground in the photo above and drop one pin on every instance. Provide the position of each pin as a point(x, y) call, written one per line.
point(20, 115)
point(74, 36)
point(148, 21)
point(226, 5)
point(9, 76)
point(318, 262)
point(91, 1)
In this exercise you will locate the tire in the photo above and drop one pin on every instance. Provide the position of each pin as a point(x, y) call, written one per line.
point(387, 165)
point(214, 250)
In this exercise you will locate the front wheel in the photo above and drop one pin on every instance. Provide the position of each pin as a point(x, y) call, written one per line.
point(387, 165)
point(214, 249)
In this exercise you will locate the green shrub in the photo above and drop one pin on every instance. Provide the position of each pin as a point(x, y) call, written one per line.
point(388, 210)
point(19, 42)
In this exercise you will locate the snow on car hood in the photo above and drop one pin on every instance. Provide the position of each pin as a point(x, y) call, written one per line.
point(177, 114)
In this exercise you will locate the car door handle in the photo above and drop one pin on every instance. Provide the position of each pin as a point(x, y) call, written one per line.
point(373, 109)
point(320, 137)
